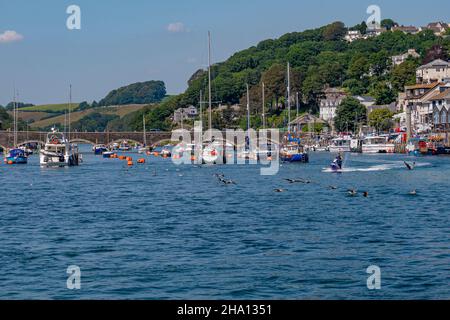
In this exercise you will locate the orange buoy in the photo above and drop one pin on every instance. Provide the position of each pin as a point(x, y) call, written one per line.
point(10, 162)
point(129, 159)
point(141, 161)
point(122, 157)
point(193, 158)
point(130, 163)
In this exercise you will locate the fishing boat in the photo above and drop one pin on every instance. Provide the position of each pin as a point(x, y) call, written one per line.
point(16, 156)
point(341, 144)
point(99, 149)
point(377, 144)
point(293, 152)
point(58, 152)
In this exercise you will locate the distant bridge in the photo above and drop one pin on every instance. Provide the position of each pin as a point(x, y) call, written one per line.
point(106, 138)
point(24, 137)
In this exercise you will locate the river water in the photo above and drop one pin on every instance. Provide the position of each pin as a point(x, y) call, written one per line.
point(160, 231)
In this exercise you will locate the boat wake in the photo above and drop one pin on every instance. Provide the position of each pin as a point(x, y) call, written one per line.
point(381, 167)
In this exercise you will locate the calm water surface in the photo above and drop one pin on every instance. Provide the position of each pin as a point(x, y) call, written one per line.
point(158, 231)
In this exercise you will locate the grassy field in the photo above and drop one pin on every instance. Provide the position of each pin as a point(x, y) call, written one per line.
point(32, 116)
point(50, 107)
point(120, 111)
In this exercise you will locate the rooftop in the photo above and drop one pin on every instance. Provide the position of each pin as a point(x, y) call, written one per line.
point(434, 64)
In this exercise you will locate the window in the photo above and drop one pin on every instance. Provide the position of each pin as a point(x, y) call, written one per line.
point(443, 116)
point(436, 117)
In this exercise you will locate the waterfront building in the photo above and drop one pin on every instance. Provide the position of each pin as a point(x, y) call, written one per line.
point(440, 105)
point(418, 98)
point(328, 105)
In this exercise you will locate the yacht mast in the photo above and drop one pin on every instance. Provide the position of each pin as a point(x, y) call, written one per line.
point(201, 108)
point(209, 80)
point(263, 105)
point(145, 133)
point(15, 117)
point(70, 108)
point(247, 145)
point(289, 95)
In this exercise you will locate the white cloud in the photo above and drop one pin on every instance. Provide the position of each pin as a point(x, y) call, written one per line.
point(176, 27)
point(10, 36)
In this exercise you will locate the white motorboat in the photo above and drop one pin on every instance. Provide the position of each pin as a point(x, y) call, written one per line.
point(340, 145)
point(58, 152)
point(377, 144)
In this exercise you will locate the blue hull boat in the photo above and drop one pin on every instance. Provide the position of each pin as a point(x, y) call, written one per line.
point(16, 156)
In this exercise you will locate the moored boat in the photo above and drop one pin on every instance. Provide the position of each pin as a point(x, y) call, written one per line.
point(341, 144)
point(16, 156)
point(377, 144)
point(58, 152)
point(99, 149)
point(293, 153)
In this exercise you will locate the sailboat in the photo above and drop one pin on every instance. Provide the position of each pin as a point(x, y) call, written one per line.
point(144, 148)
point(211, 148)
point(292, 150)
point(15, 155)
point(246, 153)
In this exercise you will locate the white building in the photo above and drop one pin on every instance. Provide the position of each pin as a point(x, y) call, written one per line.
point(182, 114)
point(332, 100)
point(353, 35)
point(397, 60)
point(435, 71)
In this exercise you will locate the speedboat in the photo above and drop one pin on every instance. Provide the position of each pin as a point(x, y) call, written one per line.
point(377, 144)
point(58, 152)
point(99, 149)
point(293, 153)
point(340, 145)
point(16, 156)
point(108, 154)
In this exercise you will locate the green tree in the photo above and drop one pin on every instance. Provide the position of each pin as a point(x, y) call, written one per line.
point(334, 31)
point(404, 74)
point(388, 23)
point(381, 119)
point(383, 93)
point(349, 115)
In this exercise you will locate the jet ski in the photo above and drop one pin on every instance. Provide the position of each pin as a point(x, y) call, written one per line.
point(336, 165)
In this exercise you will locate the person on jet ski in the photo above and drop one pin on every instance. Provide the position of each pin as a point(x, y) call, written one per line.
point(338, 161)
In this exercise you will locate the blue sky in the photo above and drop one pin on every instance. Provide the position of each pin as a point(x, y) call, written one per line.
point(122, 42)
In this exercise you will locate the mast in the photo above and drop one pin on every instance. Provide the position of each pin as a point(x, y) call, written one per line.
point(70, 108)
point(209, 80)
point(289, 95)
point(263, 105)
point(15, 117)
point(297, 101)
point(201, 108)
point(145, 135)
point(247, 145)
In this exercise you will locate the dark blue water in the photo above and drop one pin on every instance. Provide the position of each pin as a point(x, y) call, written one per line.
point(180, 234)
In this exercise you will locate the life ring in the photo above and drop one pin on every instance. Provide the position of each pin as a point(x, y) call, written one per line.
point(55, 141)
